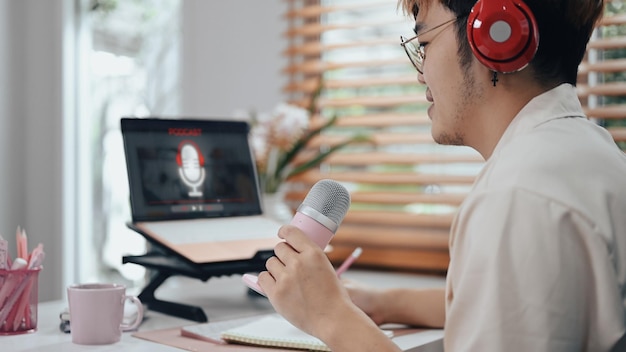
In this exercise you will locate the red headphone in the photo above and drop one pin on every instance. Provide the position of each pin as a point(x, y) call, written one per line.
point(179, 159)
point(503, 34)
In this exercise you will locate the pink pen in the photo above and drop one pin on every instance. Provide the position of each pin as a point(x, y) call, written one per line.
point(36, 257)
point(351, 259)
point(4, 257)
point(13, 305)
point(4, 253)
point(6, 289)
point(22, 243)
point(22, 310)
point(9, 287)
point(18, 293)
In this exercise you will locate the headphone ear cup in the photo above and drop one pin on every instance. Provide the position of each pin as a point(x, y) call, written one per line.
point(503, 35)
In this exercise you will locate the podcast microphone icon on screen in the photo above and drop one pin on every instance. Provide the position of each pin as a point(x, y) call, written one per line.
point(191, 166)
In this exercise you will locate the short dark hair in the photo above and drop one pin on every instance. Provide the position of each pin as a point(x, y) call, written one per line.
point(565, 27)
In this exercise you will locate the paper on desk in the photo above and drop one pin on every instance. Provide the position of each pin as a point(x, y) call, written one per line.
point(172, 337)
point(406, 339)
point(425, 338)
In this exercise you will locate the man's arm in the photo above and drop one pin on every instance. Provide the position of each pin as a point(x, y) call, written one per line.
point(416, 307)
point(303, 287)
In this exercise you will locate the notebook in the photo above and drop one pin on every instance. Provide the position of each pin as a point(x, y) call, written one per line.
point(274, 331)
point(212, 332)
point(193, 188)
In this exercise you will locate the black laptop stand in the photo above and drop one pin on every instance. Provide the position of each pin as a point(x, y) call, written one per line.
point(163, 264)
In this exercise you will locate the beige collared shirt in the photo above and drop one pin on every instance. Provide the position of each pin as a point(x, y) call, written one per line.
point(538, 248)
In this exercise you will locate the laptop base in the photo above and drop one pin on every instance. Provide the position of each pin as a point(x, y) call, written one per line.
point(164, 265)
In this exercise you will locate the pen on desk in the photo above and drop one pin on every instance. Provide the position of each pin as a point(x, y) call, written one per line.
point(4, 250)
point(22, 243)
point(4, 258)
point(36, 257)
point(8, 289)
point(23, 311)
point(11, 300)
point(351, 259)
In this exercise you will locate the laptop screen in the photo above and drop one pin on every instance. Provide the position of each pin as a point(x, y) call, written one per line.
point(185, 169)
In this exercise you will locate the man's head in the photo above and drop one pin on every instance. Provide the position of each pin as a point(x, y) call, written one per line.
point(466, 108)
point(564, 30)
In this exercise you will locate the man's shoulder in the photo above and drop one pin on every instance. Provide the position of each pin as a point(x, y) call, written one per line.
point(564, 147)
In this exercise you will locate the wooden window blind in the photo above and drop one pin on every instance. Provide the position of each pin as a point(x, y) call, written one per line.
point(603, 72)
point(405, 188)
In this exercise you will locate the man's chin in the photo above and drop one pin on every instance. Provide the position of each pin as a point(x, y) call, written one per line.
point(445, 138)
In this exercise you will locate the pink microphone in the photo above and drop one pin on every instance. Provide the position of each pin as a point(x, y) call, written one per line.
point(319, 217)
point(322, 211)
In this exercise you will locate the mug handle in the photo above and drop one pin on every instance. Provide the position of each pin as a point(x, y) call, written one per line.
point(135, 324)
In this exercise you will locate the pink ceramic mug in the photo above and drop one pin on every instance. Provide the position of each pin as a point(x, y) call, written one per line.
point(97, 312)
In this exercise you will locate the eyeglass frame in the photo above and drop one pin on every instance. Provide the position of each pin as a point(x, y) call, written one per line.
point(420, 53)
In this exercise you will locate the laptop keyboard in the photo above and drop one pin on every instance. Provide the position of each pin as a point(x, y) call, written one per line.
point(214, 230)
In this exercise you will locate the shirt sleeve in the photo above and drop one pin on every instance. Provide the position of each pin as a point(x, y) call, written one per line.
point(529, 274)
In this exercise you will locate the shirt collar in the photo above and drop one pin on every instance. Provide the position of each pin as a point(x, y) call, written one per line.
point(553, 104)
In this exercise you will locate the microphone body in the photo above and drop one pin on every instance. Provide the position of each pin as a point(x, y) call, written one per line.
point(317, 232)
point(319, 217)
point(322, 211)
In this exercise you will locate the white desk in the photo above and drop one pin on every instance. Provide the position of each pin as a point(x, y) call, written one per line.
point(221, 298)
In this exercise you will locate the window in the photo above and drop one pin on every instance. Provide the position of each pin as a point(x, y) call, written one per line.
point(405, 188)
point(126, 48)
point(604, 71)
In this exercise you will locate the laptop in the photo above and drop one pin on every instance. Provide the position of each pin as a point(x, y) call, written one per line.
point(194, 190)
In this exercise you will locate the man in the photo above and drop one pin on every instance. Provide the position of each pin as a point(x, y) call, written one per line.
point(538, 248)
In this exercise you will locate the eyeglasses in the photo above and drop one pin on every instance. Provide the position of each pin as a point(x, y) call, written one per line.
point(415, 50)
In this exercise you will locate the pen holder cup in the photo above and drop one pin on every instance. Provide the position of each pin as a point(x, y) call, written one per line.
point(18, 301)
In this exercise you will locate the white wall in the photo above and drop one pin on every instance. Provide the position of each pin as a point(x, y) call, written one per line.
point(31, 130)
point(230, 59)
point(232, 56)
point(11, 202)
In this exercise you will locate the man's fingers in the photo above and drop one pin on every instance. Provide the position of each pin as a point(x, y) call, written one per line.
point(295, 237)
point(284, 251)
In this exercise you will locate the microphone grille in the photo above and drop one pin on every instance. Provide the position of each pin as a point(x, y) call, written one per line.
point(329, 198)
